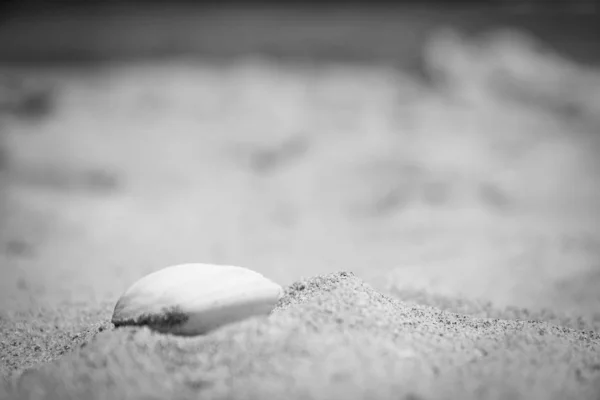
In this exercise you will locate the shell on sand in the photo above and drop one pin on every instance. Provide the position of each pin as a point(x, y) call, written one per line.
point(193, 299)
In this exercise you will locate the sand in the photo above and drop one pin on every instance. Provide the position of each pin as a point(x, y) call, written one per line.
point(331, 336)
point(482, 186)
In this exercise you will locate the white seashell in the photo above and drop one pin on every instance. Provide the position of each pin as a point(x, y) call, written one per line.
point(193, 299)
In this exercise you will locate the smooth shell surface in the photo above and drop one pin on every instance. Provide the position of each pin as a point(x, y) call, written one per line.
point(193, 299)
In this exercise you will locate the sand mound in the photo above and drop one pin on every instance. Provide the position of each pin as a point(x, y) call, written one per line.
point(333, 337)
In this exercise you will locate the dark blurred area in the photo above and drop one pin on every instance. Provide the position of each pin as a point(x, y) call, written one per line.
point(77, 30)
point(572, 6)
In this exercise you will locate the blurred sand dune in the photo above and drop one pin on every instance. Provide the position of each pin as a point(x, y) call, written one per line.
point(468, 186)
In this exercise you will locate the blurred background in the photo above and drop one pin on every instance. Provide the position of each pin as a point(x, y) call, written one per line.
point(446, 148)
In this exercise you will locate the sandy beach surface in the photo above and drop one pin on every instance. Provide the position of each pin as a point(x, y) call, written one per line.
point(335, 337)
point(437, 238)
